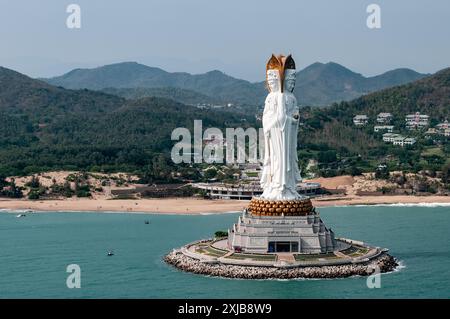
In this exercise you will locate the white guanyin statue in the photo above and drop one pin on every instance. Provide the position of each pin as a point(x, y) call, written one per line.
point(280, 172)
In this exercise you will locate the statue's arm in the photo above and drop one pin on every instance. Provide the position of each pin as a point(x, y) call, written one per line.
point(294, 116)
point(269, 115)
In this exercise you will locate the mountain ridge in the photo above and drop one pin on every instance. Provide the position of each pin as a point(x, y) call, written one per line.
point(319, 84)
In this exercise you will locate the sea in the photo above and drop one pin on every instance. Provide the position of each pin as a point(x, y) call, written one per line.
point(37, 251)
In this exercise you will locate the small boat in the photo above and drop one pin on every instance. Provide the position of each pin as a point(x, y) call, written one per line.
point(147, 222)
point(21, 215)
point(110, 253)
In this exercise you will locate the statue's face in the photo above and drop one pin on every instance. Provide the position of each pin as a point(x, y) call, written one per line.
point(273, 80)
point(289, 80)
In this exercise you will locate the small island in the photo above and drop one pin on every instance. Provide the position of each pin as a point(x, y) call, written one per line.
point(280, 234)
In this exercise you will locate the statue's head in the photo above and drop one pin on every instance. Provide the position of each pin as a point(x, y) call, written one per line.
point(280, 73)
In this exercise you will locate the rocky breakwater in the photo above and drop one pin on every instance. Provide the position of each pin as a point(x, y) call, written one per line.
point(383, 262)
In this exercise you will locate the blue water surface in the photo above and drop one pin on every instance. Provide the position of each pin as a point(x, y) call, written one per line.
point(35, 251)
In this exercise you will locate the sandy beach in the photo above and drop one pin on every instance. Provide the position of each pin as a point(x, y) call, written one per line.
point(197, 206)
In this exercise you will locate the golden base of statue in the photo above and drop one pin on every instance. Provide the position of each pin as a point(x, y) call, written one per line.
point(264, 207)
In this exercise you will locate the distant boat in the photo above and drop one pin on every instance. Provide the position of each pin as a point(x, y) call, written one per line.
point(147, 222)
point(21, 215)
point(110, 253)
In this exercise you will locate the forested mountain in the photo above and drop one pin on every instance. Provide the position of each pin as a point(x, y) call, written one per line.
point(332, 128)
point(41, 101)
point(45, 127)
point(215, 84)
point(317, 85)
point(430, 95)
point(323, 84)
point(184, 96)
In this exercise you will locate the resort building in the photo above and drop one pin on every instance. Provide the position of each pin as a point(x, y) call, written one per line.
point(360, 120)
point(387, 128)
point(431, 131)
point(440, 129)
point(384, 118)
point(446, 132)
point(409, 141)
point(416, 121)
point(443, 126)
point(397, 139)
point(402, 141)
point(247, 191)
point(389, 137)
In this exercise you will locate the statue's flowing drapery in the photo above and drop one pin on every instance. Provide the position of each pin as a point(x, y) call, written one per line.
point(280, 173)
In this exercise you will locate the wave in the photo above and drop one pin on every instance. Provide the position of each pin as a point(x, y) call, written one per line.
point(34, 211)
point(419, 204)
point(401, 265)
point(227, 212)
point(15, 211)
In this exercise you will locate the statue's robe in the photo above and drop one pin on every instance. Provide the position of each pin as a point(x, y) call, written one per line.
point(280, 173)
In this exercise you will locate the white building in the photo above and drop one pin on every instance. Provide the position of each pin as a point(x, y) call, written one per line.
point(384, 118)
point(397, 139)
point(442, 126)
point(389, 137)
point(446, 132)
point(248, 191)
point(387, 128)
point(360, 119)
point(409, 141)
point(417, 120)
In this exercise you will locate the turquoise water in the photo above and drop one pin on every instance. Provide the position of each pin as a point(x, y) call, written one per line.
point(35, 251)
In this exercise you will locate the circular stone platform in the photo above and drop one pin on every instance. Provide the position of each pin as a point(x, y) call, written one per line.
point(211, 257)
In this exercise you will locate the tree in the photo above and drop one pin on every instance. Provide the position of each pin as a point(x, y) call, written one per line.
point(220, 234)
point(33, 195)
point(328, 156)
point(210, 173)
point(13, 191)
point(3, 182)
point(355, 170)
point(382, 173)
point(34, 182)
point(446, 173)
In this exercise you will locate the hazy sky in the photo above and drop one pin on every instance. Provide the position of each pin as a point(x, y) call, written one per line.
point(234, 36)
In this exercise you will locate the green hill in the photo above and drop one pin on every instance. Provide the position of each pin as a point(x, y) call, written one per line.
point(184, 96)
point(20, 94)
point(332, 128)
point(215, 84)
point(46, 127)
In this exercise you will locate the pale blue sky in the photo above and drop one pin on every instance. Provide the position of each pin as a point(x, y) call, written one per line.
point(235, 36)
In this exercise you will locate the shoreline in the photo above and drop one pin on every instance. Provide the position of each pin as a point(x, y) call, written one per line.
point(193, 206)
point(384, 262)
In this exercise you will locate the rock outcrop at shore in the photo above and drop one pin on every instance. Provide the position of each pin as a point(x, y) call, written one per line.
point(384, 262)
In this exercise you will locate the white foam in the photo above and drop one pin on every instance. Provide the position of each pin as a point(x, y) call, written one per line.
point(431, 205)
point(401, 265)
